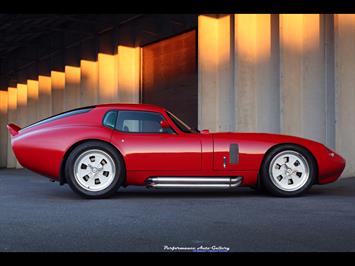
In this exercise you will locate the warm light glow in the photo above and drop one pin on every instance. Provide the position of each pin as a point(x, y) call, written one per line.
point(208, 39)
point(89, 82)
point(299, 33)
point(21, 95)
point(72, 75)
point(346, 21)
point(44, 86)
point(32, 90)
point(45, 96)
point(214, 41)
point(58, 86)
point(57, 80)
point(12, 102)
point(3, 102)
point(107, 78)
point(253, 37)
point(128, 74)
point(72, 87)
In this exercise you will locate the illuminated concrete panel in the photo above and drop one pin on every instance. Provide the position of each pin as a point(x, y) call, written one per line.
point(71, 94)
point(107, 69)
point(215, 73)
point(345, 92)
point(12, 118)
point(22, 112)
point(256, 73)
point(44, 97)
point(32, 101)
point(57, 80)
point(128, 69)
point(22, 115)
point(88, 83)
point(302, 84)
point(3, 130)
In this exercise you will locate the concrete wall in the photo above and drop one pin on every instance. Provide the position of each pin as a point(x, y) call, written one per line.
point(11, 118)
point(345, 88)
point(215, 73)
point(3, 131)
point(291, 73)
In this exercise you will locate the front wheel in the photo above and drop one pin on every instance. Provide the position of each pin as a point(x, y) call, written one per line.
point(288, 170)
point(94, 170)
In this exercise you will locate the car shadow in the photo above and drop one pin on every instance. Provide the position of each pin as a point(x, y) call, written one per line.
point(181, 193)
point(345, 189)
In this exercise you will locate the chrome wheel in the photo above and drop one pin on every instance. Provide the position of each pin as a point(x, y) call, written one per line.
point(289, 170)
point(94, 170)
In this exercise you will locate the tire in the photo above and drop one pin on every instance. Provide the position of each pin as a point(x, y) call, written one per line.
point(94, 170)
point(288, 171)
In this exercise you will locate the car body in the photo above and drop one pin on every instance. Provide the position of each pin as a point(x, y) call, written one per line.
point(174, 150)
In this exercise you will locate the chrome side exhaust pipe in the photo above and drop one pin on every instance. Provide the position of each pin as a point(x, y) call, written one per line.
point(194, 182)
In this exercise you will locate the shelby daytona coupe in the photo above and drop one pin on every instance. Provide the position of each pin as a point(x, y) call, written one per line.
point(99, 148)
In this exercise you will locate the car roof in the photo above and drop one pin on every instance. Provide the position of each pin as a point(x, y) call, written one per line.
point(133, 106)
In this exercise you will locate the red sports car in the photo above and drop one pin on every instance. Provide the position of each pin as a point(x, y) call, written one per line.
point(99, 148)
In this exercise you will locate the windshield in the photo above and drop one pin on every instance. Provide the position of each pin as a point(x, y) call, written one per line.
point(180, 124)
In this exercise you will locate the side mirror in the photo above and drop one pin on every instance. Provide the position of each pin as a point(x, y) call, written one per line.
point(164, 124)
point(205, 131)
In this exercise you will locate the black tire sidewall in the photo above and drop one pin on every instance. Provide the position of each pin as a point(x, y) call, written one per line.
point(112, 188)
point(266, 178)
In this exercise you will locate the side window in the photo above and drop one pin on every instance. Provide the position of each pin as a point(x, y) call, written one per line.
point(110, 119)
point(141, 122)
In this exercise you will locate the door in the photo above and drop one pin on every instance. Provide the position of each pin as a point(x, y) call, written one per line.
point(148, 147)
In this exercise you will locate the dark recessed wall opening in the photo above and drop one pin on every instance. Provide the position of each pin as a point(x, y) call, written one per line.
point(169, 75)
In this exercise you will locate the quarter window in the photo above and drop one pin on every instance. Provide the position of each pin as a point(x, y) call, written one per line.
point(110, 119)
point(140, 122)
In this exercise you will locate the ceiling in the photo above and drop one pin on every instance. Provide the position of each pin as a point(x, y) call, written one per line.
point(27, 38)
point(33, 44)
point(18, 30)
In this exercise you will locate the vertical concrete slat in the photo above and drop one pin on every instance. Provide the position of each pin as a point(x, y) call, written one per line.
point(22, 112)
point(32, 101)
point(57, 82)
point(344, 36)
point(88, 83)
point(12, 118)
point(302, 84)
point(215, 73)
point(128, 74)
point(256, 73)
point(44, 97)
point(3, 130)
point(328, 34)
point(71, 95)
point(107, 78)
point(22, 115)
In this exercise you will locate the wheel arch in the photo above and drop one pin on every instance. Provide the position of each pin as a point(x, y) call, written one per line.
point(62, 179)
point(283, 144)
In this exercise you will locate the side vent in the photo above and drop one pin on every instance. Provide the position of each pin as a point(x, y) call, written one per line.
point(233, 154)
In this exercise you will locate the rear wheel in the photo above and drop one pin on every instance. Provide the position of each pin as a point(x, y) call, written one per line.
point(94, 170)
point(288, 170)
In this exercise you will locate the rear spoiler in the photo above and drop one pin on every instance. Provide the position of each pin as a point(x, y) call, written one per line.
point(13, 129)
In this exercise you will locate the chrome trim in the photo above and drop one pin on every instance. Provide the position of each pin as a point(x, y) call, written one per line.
point(193, 182)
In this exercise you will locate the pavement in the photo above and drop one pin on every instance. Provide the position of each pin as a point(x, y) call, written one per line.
point(38, 215)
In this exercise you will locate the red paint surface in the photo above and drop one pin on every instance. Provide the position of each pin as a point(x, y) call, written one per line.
point(42, 148)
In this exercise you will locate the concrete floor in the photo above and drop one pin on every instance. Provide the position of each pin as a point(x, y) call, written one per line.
point(37, 215)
